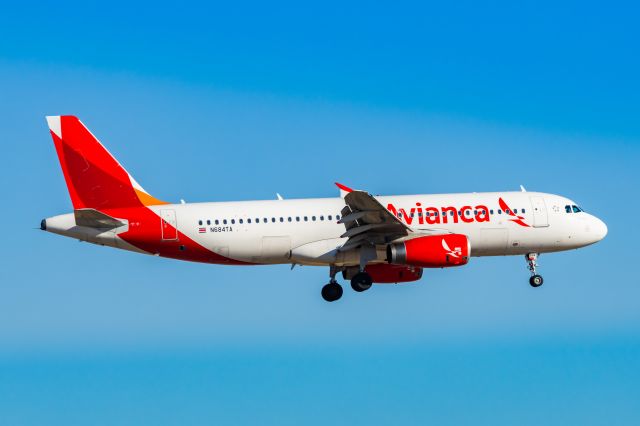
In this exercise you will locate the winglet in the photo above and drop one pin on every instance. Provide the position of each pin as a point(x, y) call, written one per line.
point(344, 190)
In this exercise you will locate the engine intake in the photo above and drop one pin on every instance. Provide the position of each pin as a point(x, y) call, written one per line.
point(433, 251)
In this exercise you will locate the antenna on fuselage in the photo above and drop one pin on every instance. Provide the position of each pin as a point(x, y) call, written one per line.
point(279, 196)
point(522, 189)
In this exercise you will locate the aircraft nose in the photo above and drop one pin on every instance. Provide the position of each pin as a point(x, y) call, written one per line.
point(599, 229)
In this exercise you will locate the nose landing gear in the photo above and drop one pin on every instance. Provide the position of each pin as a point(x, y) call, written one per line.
point(532, 261)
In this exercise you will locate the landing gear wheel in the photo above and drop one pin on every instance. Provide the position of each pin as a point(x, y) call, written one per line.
point(532, 261)
point(536, 280)
point(332, 292)
point(361, 282)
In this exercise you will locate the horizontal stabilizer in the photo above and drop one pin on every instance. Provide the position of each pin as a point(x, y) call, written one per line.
point(95, 219)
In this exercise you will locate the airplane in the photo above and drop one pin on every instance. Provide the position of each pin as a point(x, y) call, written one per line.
point(368, 239)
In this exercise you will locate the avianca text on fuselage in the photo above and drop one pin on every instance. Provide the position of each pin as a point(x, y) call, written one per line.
point(450, 214)
point(368, 239)
point(443, 215)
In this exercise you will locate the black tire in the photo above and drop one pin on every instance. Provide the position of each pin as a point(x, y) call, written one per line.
point(331, 292)
point(536, 281)
point(361, 282)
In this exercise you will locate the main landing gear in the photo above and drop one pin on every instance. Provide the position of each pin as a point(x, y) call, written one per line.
point(331, 292)
point(361, 282)
point(532, 260)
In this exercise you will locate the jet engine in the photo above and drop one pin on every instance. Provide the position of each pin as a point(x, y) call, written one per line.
point(432, 251)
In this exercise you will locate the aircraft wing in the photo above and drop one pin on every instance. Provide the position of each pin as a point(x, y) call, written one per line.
point(367, 221)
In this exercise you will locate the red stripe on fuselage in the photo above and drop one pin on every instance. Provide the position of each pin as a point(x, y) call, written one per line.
point(145, 233)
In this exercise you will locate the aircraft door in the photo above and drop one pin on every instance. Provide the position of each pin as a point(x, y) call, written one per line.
point(169, 225)
point(540, 216)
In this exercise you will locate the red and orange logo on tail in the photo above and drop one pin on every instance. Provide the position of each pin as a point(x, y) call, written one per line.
point(95, 179)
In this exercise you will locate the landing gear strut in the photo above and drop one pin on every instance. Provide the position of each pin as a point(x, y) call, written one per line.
point(332, 291)
point(362, 281)
point(532, 260)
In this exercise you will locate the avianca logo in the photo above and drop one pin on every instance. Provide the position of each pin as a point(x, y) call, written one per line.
point(444, 215)
point(518, 219)
point(457, 252)
point(434, 216)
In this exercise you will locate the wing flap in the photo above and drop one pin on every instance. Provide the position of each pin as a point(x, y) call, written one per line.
point(367, 221)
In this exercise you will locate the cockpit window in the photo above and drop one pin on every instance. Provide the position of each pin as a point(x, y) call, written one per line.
point(567, 208)
point(576, 209)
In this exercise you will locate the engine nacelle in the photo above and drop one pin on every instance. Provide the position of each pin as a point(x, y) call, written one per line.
point(433, 251)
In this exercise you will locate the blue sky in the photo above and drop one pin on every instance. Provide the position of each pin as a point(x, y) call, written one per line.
point(212, 102)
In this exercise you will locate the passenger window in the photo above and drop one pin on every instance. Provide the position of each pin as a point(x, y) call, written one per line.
point(199, 222)
point(265, 220)
point(321, 217)
point(240, 220)
point(273, 220)
point(329, 217)
point(224, 221)
point(515, 211)
point(233, 221)
point(337, 217)
point(297, 218)
point(313, 218)
point(567, 209)
point(306, 218)
point(522, 211)
point(217, 222)
point(289, 218)
point(499, 211)
point(281, 219)
point(491, 211)
point(248, 220)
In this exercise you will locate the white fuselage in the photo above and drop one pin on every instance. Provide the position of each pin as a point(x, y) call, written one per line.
point(306, 231)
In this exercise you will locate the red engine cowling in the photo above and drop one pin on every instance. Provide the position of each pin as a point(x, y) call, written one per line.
point(382, 273)
point(433, 251)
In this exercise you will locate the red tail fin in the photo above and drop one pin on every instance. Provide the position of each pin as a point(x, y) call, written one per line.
point(94, 178)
